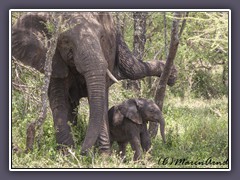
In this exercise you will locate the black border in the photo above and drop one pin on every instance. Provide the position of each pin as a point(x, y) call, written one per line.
point(150, 4)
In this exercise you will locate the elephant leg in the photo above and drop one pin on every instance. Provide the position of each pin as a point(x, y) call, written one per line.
point(103, 139)
point(61, 110)
point(145, 139)
point(136, 146)
point(122, 149)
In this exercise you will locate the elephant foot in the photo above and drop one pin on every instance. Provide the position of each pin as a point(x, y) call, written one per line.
point(102, 146)
point(105, 152)
point(64, 143)
point(101, 152)
point(64, 150)
point(137, 156)
point(85, 153)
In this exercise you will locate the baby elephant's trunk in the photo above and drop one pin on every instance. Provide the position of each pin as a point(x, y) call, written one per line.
point(162, 128)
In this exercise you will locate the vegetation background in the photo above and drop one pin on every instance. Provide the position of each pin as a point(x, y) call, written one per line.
point(195, 108)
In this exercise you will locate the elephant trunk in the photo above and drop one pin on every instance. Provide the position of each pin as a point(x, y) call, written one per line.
point(96, 86)
point(131, 68)
point(162, 129)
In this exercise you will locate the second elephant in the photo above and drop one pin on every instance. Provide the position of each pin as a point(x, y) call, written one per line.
point(128, 123)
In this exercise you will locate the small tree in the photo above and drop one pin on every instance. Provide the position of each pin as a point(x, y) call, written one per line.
point(51, 44)
point(160, 92)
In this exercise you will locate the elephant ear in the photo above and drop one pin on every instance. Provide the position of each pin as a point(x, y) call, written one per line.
point(59, 67)
point(140, 102)
point(131, 112)
point(117, 116)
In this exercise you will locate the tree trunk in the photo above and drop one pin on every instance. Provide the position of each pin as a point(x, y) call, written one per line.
point(160, 92)
point(225, 74)
point(139, 34)
point(37, 124)
point(138, 43)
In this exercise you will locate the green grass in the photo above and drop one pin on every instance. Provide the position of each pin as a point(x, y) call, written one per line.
point(196, 130)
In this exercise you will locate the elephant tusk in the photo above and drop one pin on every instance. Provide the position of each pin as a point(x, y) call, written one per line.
point(112, 77)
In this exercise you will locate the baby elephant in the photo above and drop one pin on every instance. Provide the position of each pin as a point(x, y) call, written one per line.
point(128, 123)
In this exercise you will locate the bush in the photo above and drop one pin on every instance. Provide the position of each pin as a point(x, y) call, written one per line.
point(208, 85)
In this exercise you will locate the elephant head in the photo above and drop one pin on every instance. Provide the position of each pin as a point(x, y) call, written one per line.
point(139, 111)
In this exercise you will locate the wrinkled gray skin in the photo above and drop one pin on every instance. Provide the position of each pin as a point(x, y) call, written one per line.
point(128, 123)
point(85, 51)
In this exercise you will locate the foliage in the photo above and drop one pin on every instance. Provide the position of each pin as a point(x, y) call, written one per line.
point(206, 85)
point(203, 47)
point(196, 129)
point(80, 129)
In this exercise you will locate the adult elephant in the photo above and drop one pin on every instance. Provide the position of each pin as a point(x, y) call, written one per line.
point(86, 52)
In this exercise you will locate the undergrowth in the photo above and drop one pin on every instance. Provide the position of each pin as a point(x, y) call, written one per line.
point(196, 134)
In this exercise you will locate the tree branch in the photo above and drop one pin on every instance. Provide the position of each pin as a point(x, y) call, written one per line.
point(183, 25)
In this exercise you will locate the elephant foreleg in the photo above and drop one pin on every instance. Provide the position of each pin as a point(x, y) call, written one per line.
point(136, 144)
point(61, 110)
point(145, 139)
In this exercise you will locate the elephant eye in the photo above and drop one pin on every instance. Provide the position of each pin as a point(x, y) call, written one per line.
point(151, 110)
